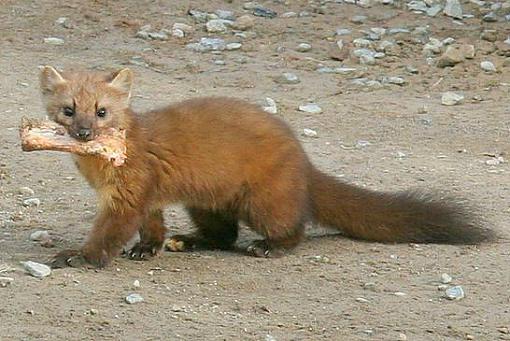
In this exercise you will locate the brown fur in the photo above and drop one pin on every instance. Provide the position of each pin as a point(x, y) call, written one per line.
point(225, 160)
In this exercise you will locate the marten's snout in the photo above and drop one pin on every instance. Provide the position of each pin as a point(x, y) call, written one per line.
point(84, 134)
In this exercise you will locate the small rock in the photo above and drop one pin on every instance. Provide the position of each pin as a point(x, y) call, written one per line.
point(243, 23)
point(54, 41)
point(433, 46)
point(362, 144)
point(37, 269)
point(402, 337)
point(133, 298)
point(412, 70)
point(26, 191)
point(260, 11)
point(311, 108)
point(309, 132)
point(39, 235)
point(31, 202)
point(183, 27)
point(434, 10)
point(488, 66)
point(198, 16)
point(224, 14)
point(445, 278)
point(270, 337)
point(448, 41)
point(217, 25)
point(339, 51)
point(270, 106)
point(64, 22)
point(489, 35)
point(452, 56)
point(451, 98)
point(343, 32)
point(304, 47)
point(358, 19)
point(177, 33)
point(396, 80)
point(208, 44)
point(400, 155)
point(362, 300)
point(454, 293)
point(287, 78)
point(400, 294)
point(495, 161)
point(93, 311)
point(360, 42)
point(5, 281)
point(136, 284)
point(289, 15)
point(490, 17)
point(233, 46)
point(453, 9)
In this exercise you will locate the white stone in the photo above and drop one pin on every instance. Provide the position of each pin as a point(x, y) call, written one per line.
point(304, 47)
point(487, 66)
point(54, 41)
point(311, 108)
point(270, 106)
point(37, 269)
point(309, 132)
point(134, 298)
point(451, 98)
point(453, 9)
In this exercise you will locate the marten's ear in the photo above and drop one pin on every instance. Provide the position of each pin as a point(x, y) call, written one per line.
point(50, 79)
point(122, 80)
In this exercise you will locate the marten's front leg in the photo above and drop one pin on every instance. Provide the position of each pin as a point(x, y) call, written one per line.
point(111, 231)
point(152, 235)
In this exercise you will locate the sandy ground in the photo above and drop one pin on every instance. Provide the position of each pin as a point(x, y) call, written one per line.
point(312, 293)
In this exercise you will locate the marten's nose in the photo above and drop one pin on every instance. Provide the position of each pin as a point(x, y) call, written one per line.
point(85, 134)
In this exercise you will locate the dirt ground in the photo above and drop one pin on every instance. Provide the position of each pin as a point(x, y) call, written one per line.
point(313, 293)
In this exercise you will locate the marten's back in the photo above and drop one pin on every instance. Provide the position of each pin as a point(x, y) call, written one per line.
point(220, 144)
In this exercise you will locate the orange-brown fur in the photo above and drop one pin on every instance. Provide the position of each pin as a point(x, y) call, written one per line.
point(225, 160)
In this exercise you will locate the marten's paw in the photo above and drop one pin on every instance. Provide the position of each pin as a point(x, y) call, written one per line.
point(180, 243)
point(143, 251)
point(260, 248)
point(68, 258)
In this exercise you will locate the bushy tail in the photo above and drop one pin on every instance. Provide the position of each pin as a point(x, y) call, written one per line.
point(410, 216)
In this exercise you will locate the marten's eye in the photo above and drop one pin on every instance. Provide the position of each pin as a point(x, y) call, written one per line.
point(101, 112)
point(68, 111)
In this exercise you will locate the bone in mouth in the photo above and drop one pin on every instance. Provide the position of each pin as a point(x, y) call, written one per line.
point(36, 134)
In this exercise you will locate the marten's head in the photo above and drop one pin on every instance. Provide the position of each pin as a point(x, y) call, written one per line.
point(87, 102)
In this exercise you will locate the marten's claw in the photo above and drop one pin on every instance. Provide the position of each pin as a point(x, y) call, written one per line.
point(142, 251)
point(260, 248)
point(68, 258)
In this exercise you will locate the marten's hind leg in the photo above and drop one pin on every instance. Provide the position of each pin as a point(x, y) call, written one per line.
point(152, 236)
point(280, 218)
point(216, 230)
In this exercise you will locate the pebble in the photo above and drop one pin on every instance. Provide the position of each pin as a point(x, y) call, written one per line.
point(243, 23)
point(311, 108)
point(434, 10)
point(358, 19)
point(339, 70)
point(452, 56)
point(31, 202)
point(487, 66)
point(178, 33)
point(134, 298)
point(445, 278)
point(396, 80)
point(233, 46)
point(454, 293)
point(304, 47)
point(451, 98)
point(260, 11)
point(489, 35)
point(453, 9)
point(343, 32)
point(362, 300)
point(197, 15)
point(208, 44)
point(289, 15)
point(54, 41)
point(490, 17)
point(495, 161)
point(448, 41)
point(418, 6)
point(225, 14)
point(39, 235)
point(136, 283)
point(64, 22)
point(363, 43)
point(270, 337)
point(287, 78)
point(309, 132)
point(183, 27)
point(37, 269)
point(218, 25)
point(433, 46)
point(5, 281)
point(270, 106)
point(26, 191)
point(146, 33)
